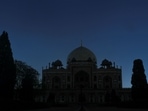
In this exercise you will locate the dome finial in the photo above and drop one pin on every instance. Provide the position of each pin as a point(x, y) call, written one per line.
point(81, 43)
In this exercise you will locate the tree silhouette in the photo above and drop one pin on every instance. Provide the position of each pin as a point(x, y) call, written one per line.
point(7, 69)
point(138, 81)
point(26, 80)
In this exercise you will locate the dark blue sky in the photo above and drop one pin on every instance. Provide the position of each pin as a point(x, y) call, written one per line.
point(42, 31)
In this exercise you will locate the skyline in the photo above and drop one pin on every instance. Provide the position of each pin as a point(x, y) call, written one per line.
point(42, 32)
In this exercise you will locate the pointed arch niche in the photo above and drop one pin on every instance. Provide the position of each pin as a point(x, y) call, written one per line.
point(56, 82)
point(81, 80)
point(107, 82)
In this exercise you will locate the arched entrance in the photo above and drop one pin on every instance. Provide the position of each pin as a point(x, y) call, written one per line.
point(51, 98)
point(82, 98)
point(56, 82)
point(107, 82)
point(81, 80)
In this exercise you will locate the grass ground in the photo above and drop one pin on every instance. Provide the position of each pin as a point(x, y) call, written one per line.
point(89, 109)
point(20, 106)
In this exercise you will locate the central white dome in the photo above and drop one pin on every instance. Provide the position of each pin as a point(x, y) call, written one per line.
point(81, 54)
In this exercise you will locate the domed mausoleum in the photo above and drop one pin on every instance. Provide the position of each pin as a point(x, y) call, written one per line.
point(82, 80)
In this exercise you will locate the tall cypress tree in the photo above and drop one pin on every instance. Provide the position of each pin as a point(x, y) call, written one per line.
point(138, 81)
point(7, 69)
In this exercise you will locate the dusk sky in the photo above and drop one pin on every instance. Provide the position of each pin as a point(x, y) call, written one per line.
point(42, 31)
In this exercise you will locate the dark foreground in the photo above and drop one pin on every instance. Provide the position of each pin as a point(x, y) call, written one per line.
point(20, 106)
point(87, 109)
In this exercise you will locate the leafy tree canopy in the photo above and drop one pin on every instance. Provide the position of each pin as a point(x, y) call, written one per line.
point(25, 73)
